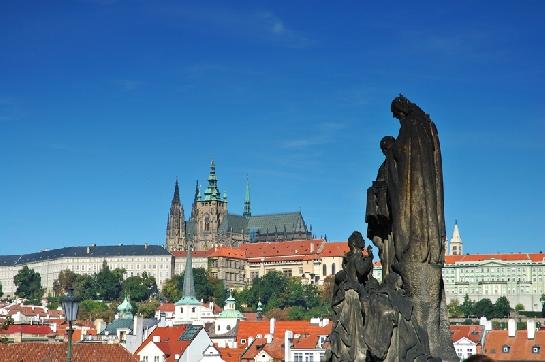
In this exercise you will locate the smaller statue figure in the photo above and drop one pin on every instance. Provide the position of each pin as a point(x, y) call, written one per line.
point(348, 294)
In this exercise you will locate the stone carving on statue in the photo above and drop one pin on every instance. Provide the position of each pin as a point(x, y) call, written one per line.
point(404, 318)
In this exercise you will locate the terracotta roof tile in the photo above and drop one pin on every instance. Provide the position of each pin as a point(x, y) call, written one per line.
point(468, 258)
point(194, 254)
point(56, 352)
point(253, 328)
point(38, 329)
point(335, 249)
point(520, 347)
point(166, 307)
point(227, 252)
point(471, 332)
point(231, 354)
point(169, 341)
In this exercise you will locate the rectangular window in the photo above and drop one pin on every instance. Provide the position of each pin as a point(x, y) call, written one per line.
point(298, 357)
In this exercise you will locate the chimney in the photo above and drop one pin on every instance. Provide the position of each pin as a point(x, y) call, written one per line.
point(288, 335)
point(488, 326)
point(482, 321)
point(531, 328)
point(176, 357)
point(325, 322)
point(312, 246)
point(271, 323)
point(269, 338)
point(250, 340)
point(156, 339)
point(511, 327)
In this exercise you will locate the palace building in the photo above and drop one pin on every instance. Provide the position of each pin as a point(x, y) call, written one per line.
point(211, 224)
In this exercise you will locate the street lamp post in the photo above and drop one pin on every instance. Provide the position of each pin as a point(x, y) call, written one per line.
point(70, 307)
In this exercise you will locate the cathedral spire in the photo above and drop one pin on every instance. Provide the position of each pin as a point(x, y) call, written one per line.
point(212, 192)
point(176, 196)
point(247, 208)
point(175, 235)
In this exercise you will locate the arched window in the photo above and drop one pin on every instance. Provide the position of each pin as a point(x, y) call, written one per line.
point(193, 310)
point(182, 310)
point(333, 268)
point(324, 270)
point(228, 327)
point(218, 327)
point(206, 224)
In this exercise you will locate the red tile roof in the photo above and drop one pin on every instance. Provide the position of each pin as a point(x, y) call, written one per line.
point(471, 332)
point(253, 328)
point(335, 249)
point(520, 346)
point(275, 349)
point(37, 329)
point(305, 341)
point(56, 352)
point(231, 354)
point(282, 248)
point(469, 258)
point(227, 252)
point(167, 307)
point(194, 254)
point(169, 341)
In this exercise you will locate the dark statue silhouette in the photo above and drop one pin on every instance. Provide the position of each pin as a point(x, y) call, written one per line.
point(404, 318)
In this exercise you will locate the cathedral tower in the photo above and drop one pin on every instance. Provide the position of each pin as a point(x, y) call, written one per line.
point(175, 238)
point(209, 213)
point(456, 242)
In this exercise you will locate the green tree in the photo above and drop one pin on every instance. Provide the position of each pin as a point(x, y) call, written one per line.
point(147, 309)
point(484, 307)
point(29, 285)
point(454, 309)
point(1, 292)
point(140, 288)
point(206, 287)
point(519, 307)
point(64, 281)
point(172, 288)
point(542, 299)
point(91, 310)
point(501, 308)
point(109, 282)
point(85, 287)
point(467, 307)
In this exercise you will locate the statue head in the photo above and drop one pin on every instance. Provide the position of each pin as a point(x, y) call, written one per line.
point(400, 107)
point(386, 144)
point(356, 241)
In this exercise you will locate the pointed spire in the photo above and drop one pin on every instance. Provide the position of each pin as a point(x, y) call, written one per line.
point(247, 205)
point(189, 283)
point(212, 193)
point(176, 196)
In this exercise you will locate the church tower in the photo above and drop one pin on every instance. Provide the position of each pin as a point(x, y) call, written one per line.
point(456, 247)
point(247, 208)
point(209, 213)
point(175, 238)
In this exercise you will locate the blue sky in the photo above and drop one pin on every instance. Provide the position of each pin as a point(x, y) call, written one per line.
point(104, 103)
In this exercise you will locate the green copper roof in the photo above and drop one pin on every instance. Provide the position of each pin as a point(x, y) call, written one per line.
point(212, 193)
point(231, 314)
point(125, 309)
point(188, 301)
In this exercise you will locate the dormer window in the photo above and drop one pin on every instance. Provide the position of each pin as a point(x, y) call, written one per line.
point(505, 348)
point(536, 349)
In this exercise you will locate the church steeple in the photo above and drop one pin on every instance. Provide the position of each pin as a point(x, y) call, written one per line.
point(456, 246)
point(247, 209)
point(188, 296)
point(175, 233)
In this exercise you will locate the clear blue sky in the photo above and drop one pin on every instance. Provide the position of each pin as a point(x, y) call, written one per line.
point(104, 103)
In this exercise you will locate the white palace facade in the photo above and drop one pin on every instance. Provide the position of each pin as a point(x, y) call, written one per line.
point(518, 276)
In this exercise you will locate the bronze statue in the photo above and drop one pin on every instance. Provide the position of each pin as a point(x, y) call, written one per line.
point(404, 318)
